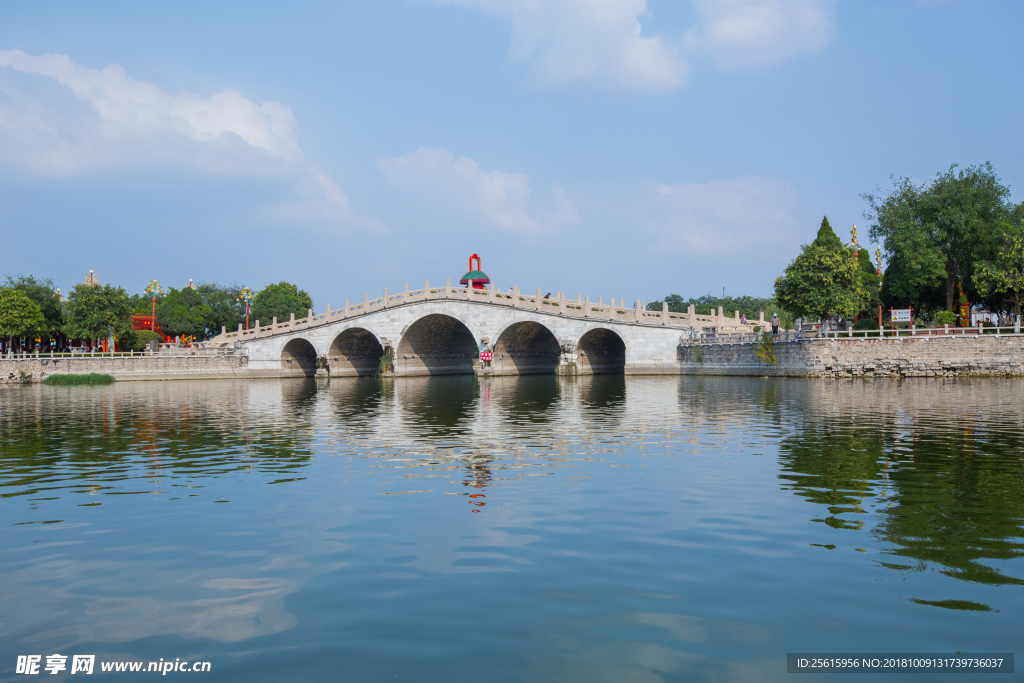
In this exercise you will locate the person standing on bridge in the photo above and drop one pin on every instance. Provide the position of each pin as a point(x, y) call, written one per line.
point(775, 324)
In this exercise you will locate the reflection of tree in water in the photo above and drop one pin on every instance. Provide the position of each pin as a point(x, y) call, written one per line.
point(284, 444)
point(955, 495)
point(961, 502)
point(97, 438)
point(835, 466)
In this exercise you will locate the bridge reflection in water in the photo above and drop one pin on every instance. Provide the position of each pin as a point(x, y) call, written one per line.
point(872, 509)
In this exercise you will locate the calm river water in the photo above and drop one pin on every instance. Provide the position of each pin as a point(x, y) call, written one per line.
point(530, 529)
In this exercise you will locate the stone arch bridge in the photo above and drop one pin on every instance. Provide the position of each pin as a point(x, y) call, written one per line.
point(442, 330)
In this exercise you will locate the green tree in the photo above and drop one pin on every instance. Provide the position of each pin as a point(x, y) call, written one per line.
point(95, 311)
point(937, 232)
point(142, 304)
point(902, 288)
point(706, 305)
point(280, 301)
point(869, 282)
point(1005, 272)
point(225, 308)
point(182, 313)
point(823, 280)
point(19, 315)
point(43, 293)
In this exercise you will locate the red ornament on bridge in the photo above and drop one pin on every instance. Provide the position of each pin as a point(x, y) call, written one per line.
point(479, 277)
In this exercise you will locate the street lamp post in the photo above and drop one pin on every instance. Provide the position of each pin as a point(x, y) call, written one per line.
point(246, 297)
point(153, 290)
point(878, 269)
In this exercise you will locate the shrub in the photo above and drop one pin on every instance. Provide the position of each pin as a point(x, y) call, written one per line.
point(765, 348)
point(140, 339)
point(866, 324)
point(75, 380)
point(945, 318)
point(386, 363)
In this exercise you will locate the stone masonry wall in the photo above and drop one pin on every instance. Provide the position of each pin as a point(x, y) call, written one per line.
point(904, 357)
point(129, 368)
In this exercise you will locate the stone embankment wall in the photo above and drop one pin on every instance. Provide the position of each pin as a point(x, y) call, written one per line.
point(905, 357)
point(126, 368)
point(939, 356)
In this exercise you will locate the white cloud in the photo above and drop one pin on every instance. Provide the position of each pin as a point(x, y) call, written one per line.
point(759, 33)
point(115, 121)
point(728, 215)
point(601, 41)
point(502, 199)
point(597, 41)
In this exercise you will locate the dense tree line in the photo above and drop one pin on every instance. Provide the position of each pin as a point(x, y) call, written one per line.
point(31, 308)
point(959, 231)
point(953, 240)
point(708, 304)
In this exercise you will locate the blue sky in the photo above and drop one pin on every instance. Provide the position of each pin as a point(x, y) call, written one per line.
point(606, 147)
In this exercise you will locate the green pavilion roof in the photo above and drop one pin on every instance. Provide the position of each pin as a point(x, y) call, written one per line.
point(475, 276)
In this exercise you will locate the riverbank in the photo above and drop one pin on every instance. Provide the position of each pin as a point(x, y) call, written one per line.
point(933, 356)
point(218, 365)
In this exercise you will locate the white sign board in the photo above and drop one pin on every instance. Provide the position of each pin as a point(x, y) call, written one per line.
point(901, 315)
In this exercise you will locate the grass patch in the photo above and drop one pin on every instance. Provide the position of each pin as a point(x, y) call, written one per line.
point(76, 380)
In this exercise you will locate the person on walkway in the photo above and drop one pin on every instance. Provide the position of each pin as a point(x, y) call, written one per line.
point(775, 324)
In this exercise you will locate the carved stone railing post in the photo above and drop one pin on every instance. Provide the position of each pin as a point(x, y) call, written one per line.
point(385, 298)
point(448, 288)
point(426, 289)
point(257, 330)
point(664, 313)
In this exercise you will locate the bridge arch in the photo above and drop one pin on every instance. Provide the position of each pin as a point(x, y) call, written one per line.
point(298, 357)
point(601, 351)
point(355, 352)
point(436, 344)
point(526, 348)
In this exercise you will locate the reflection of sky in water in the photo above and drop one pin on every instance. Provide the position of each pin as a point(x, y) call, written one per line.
point(524, 529)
